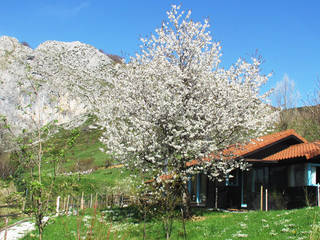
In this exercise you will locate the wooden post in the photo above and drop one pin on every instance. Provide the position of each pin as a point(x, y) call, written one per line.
point(96, 202)
point(6, 228)
point(23, 205)
point(64, 204)
point(216, 199)
point(91, 200)
point(58, 205)
point(112, 200)
point(106, 200)
point(318, 194)
point(68, 199)
point(71, 203)
point(261, 198)
point(81, 202)
point(266, 199)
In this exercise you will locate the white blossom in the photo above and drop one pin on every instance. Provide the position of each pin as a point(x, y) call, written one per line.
point(173, 103)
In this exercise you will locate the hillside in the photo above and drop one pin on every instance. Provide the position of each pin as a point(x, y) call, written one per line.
point(305, 120)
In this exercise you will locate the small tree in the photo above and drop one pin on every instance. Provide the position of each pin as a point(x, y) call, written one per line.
point(40, 106)
point(285, 94)
point(173, 103)
point(286, 98)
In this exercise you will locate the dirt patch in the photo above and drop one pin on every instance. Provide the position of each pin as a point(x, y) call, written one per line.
point(116, 166)
point(198, 218)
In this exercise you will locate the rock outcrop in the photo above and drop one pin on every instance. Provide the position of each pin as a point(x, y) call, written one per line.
point(39, 81)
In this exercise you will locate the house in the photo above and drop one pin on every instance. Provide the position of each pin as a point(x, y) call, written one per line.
point(284, 173)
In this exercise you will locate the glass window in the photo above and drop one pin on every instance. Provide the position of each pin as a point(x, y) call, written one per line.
point(193, 188)
point(258, 176)
point(317, 175)
point(299, 176)
point(233, 178)
point(203, 188)
point(198, 189)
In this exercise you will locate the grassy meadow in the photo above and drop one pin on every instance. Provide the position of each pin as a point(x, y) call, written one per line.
point(126, 224)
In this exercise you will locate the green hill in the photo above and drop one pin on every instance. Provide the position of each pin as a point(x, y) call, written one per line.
point(305, 120)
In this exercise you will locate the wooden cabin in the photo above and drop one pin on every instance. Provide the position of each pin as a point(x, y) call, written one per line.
point(284, 174)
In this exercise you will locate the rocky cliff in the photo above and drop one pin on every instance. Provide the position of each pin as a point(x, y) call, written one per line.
point(35, 83)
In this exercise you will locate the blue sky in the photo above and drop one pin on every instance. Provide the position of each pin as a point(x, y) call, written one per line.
point(285, 33)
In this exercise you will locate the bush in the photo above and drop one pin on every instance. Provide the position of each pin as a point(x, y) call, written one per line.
point(7, 166)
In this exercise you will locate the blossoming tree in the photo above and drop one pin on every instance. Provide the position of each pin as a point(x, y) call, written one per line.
point(173, 103)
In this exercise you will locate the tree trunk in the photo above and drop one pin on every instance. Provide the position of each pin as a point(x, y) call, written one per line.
point(40, 233)
point(183, 225)
point(186, 203)
point(39, 217)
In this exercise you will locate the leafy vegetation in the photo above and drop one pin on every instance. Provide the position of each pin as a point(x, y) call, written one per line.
point(304, 120)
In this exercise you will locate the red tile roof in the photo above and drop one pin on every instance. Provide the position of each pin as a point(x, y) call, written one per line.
point(264, 141)
point(307, 150)
point(254, 144)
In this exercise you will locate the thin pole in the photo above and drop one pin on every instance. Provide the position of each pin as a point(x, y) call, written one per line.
point(216, 199)
point(261, 198)
point(318, 188)
point(68, 199)
point(6, 228)
point(58, 205)
point(266, 199)
point(81, 202)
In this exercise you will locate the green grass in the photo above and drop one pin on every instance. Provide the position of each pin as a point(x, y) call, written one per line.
point(284, 224)
point(83, 154)
point(101, 181)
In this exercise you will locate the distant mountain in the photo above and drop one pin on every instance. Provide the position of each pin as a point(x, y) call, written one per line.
point(52, 64)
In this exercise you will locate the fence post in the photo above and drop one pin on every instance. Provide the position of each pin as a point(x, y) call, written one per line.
point(318, 194)
point(6, 228)
point(64, 204)
point(58, 205)
point(71, 204)
point(266, 199)
point(91, 200)
point(81, 202)
point(261, 198)
point(68, 199)
point(112, 200)
point(216, 199)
